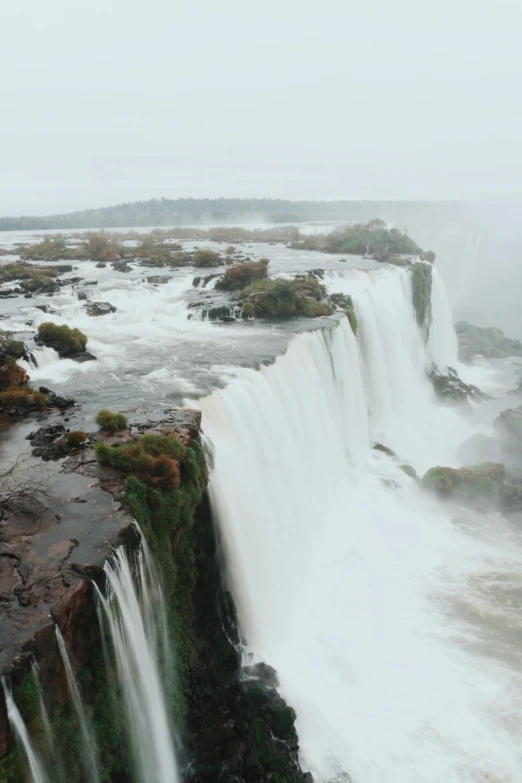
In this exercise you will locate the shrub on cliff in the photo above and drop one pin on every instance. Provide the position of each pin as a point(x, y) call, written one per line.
point(205, 257)
point(243, 275)
point(154, 458)
point(67, 341)
point(111, 422)
point(284, 298)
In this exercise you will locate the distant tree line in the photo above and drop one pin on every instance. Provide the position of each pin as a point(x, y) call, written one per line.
point(190, 211)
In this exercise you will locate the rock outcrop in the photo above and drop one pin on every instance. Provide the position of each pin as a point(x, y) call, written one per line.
point(481, 487)
point(489, 342)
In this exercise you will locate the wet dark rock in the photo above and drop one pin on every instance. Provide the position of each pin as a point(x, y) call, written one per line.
point(121, 266)
point(448, 386)
point(158, 279)
point(44, 308)
point(99, 308)
point(28, 295)
point(82, 296)
point(91, 282)
point(84, 357)
point(101, 265)
point(384, 449)
point(46, 435)
point(55, 400)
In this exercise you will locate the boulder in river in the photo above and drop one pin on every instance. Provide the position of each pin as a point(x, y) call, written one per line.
point(99, 308)
point(480, 487)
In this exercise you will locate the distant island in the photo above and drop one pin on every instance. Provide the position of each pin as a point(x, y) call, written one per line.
point(194, 212)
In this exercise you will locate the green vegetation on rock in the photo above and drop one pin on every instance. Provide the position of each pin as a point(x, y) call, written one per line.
point(111, 422)
point(345, 303)
point(421, 283)
point(203, 257)
point(242, 275)
point(66, 341)
point(284, 298)
point(154, 458)
point(451, 388)
point(480, 487)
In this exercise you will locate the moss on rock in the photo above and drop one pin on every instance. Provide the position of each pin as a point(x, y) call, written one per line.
point(478, 486)
point(421, 284)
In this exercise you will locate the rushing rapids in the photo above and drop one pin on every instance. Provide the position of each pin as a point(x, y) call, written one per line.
point(364, 594)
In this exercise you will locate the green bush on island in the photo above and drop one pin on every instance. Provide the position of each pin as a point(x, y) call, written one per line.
point(49, 249)
point(100, 248)
point(283, 298)
point(111, 422)
point(67, 341)
point(204, 257)
point(33, 277)
point(242, 275)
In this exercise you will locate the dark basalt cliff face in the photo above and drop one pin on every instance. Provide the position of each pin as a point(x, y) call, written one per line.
point(234, 725)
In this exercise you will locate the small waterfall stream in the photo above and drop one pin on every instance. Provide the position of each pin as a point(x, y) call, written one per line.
point(20, 730)
point(129, 609)
point(88, 742)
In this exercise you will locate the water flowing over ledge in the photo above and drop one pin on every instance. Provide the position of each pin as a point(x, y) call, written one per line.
point(347, 578)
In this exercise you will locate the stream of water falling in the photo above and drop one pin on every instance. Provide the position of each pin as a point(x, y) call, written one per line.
point(88, 743)
point(20, 730)
point(138, 632)
point(374, 602)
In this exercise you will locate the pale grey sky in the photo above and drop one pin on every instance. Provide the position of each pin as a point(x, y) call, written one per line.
point(105, 101)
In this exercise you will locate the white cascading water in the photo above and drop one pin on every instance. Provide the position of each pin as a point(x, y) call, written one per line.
point(89, 749)
point(133, 612)
point(359, 588)
point(20, 730)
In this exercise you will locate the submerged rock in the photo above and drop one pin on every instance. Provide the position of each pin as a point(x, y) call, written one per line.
point(99, 308)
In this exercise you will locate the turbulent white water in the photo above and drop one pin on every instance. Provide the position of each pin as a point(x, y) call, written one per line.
point(392, 627)
point(136, 637)
point(20, 730)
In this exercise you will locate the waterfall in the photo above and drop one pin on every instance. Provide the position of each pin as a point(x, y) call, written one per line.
point(442, 343)
point(19, 727)
point(139, 634)
point(348, 579)
point(88, 743)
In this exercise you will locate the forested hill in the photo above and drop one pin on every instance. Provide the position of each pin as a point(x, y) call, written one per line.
point(189, 211)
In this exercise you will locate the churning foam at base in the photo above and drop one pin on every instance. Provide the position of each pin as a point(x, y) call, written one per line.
point(367, 599)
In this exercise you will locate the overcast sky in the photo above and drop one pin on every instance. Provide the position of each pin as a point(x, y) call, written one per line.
point(104, 101)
